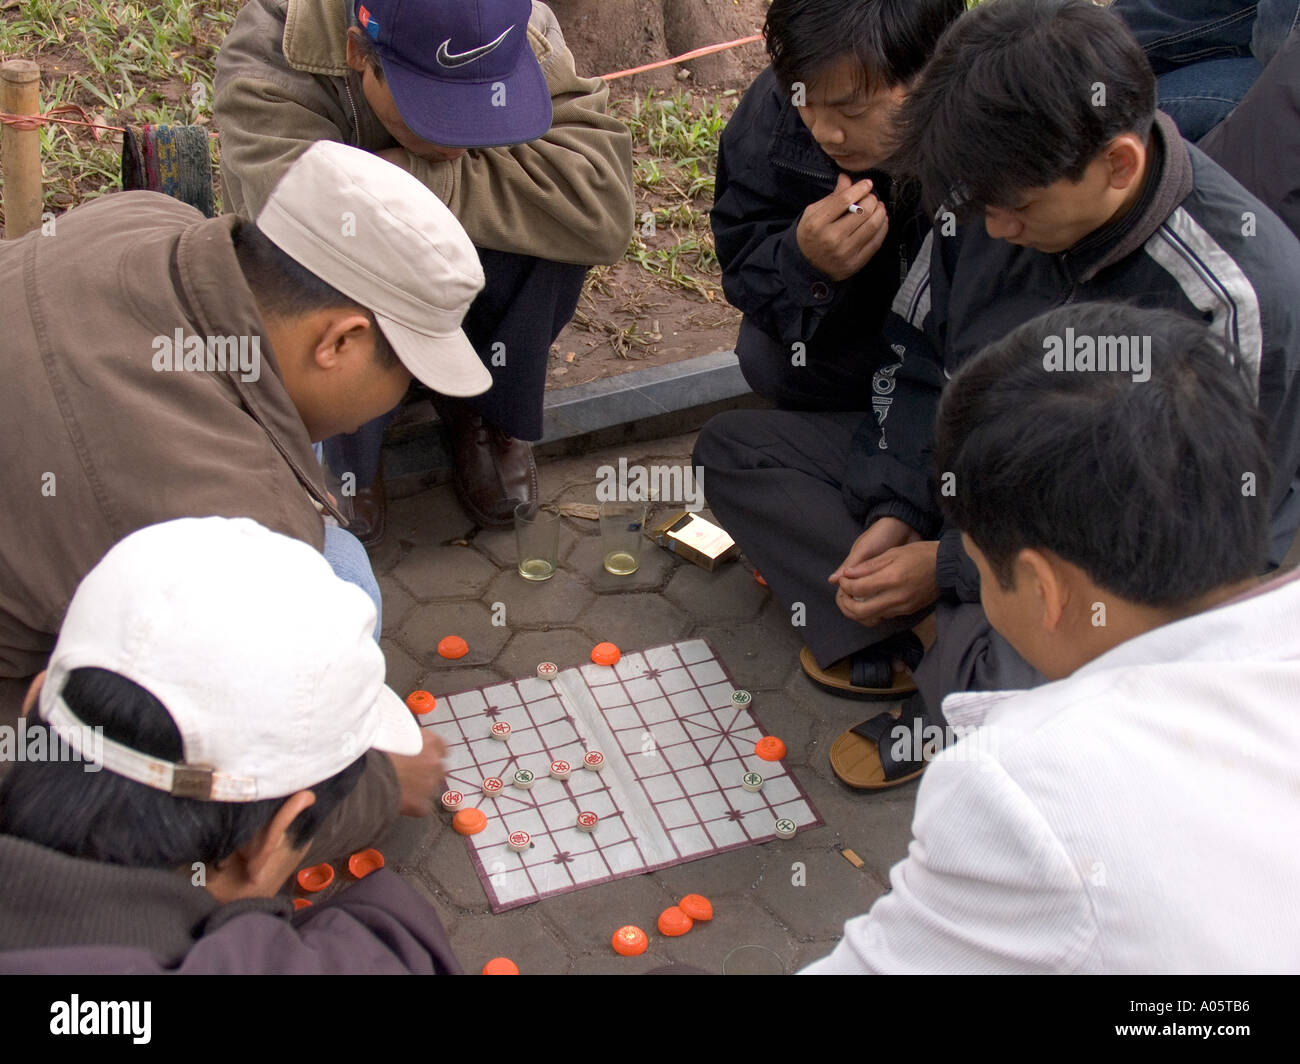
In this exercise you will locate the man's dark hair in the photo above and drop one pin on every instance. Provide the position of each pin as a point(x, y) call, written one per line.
point(101, 816)
point(1141, 484)
point(286, 288)
point(1021, 94)
point(890, 39)
point(369, 55)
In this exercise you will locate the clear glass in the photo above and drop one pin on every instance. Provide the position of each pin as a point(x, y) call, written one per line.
point(621, 525)
point(537, 535)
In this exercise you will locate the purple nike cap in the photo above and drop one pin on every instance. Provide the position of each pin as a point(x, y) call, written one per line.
point(461, 71)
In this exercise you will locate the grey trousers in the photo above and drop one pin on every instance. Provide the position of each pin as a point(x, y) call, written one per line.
point(774, 480)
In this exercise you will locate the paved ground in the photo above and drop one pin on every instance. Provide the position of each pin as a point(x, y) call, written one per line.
point(439, 579)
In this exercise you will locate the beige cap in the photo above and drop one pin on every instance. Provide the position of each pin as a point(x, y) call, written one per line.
point(374, 232)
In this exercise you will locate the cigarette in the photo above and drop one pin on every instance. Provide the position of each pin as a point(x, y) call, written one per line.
point(855, 208)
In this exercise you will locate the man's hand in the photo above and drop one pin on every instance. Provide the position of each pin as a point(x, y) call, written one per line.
point(419, 776)
point(836, 241)
point(895, 583)
point(884, 533)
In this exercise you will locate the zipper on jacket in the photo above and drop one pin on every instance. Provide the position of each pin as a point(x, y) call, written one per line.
point(356, 122)
point(805, 171)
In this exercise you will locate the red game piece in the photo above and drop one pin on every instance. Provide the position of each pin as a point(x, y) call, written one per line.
point(315, 878)
point(469, 821)
point(362, 863)
point(696, 906)
point(630, 941)
point(605, 654)
point(301, 903)
point(674, 922)
point(452, 646)
point(420, 702)
point(770, 748)
point(758, 579)
point(501, 966)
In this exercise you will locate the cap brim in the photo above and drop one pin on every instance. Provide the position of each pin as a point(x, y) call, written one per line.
point(398, 731)
point(460, 114)
point(447, 364)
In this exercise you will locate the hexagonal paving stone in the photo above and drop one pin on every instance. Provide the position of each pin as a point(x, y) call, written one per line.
point(427, 519)
point(634, 622)
point(726, 594)
point(397, 603)
point(758, 655)
point(588, 561)
point(742, 936)
point(592, 915)
point(814, 891)
point(472, 621)
point(452, 681)
point(524, 939)
point(448, 872)
point(444, 572)
point(526, 650)
point(559, 600)
point(403, 673)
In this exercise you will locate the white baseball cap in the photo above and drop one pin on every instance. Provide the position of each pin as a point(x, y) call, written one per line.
point(263, 657)
point(381, 237)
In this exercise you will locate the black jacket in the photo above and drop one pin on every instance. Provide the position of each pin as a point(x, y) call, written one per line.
point(769, 169)
point(1186, 246)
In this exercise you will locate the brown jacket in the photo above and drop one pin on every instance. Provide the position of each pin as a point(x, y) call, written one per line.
point(283, 83)
point(94, 441)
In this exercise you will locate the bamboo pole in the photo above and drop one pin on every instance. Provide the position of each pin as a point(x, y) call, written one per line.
point(20, 149)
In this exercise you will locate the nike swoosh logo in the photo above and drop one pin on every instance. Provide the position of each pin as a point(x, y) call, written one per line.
point(450, 59)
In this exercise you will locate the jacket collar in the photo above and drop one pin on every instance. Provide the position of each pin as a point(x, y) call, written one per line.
point(51, 900)
point(316, 36)
point(1169, 181)
point(1260, 624)
point(205, 261)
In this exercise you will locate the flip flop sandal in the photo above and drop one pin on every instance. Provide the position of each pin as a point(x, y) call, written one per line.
point(869, 674)
point(863, 757)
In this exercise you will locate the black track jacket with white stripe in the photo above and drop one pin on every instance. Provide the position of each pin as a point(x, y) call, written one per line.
point(1196, 242)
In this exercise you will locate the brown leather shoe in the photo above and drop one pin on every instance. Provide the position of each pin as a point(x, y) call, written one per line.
point(494, 471)
point(370, 514)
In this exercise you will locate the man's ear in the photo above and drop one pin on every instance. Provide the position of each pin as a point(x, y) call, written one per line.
point(262, 858)
point(1125, 155)
point(1051, 591)
point(356, 59)
point(33, 693)
point(341, 333)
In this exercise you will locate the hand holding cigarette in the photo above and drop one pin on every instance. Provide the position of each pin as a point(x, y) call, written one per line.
point(839, 234)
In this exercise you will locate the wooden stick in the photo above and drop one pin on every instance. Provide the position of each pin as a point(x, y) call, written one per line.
point(20, 149)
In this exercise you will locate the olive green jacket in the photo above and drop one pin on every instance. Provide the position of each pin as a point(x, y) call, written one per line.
point(282, 83)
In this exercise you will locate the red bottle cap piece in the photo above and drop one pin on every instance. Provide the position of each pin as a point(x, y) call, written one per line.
point(469, 821)
point(452, 646)
point(315, 878)
point(696, 906)
point(420, 702)
point(758, 579)
point(362, 863)
point(674, 922)
point(605, 654)
point(770, 748)
point(301, 903)
point(501, 966)
point(630, 941)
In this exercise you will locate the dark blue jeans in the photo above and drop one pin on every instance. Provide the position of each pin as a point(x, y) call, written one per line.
point(1207, 53)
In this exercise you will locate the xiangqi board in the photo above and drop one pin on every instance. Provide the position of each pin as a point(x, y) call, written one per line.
point(677, 750)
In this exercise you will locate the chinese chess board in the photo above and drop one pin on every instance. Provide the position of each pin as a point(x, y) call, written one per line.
point(676, 748)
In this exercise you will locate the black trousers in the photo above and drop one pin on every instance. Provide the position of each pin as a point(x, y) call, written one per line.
point(522, 308)
point(774, 480)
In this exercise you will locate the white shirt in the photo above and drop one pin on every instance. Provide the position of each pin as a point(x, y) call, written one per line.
point(1141, 815)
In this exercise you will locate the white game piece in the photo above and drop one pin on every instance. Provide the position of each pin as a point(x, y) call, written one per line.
point(501, 730)
point(548, 670)
point(519, 841)
point(594, 760)
point(740, 699)
point(752, 782)
point(452, 800)
point(785, 828)
point(524, 779)
point(587, 821)
point(493, 786)
point(561, 770)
